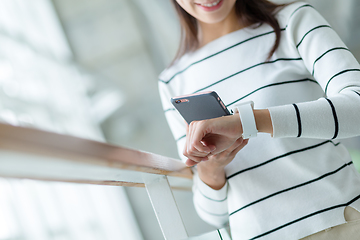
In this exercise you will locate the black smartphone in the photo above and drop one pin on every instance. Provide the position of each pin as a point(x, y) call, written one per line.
point(200, 106)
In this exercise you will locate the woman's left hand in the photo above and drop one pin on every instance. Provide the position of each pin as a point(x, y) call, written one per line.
point(222, 159)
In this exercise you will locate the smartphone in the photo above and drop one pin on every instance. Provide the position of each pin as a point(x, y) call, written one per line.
point(200, 106)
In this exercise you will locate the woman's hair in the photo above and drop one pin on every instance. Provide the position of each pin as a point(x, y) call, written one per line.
point(249, 12)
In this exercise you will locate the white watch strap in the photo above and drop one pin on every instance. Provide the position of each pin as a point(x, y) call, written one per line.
point(247, 119)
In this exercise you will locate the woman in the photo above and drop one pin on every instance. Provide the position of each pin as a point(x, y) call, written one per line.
point(294, 179)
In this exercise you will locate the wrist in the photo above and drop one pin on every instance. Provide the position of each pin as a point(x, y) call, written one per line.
point(263, 121)
point(212, 174)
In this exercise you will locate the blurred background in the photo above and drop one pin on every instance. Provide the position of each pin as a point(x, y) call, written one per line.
point(89, 68)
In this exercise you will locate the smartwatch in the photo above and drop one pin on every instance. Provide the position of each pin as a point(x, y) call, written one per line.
point(247, 119)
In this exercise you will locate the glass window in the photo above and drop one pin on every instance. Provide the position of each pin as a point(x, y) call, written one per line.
point(41, 88)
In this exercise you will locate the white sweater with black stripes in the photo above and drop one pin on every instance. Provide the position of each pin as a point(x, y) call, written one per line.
point(298, 181)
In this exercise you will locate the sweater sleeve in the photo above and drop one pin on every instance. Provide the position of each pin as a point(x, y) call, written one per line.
point(337, 114)
point(210, 204)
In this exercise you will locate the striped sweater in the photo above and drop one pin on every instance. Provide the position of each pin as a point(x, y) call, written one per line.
point(298, 181)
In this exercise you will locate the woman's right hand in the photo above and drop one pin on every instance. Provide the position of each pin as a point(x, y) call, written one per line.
point(211, 171)
point(211, 137)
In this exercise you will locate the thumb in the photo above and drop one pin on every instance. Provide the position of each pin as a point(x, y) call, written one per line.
point(211, 147)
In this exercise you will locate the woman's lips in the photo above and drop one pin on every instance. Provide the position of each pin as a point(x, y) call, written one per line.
point(212, 6)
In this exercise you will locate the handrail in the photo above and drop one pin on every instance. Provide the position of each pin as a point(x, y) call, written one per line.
point(37, 154)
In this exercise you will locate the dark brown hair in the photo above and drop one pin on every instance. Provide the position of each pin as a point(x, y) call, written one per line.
point(249, 12)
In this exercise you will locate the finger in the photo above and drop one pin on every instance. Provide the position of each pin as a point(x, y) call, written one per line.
point(237, 149)
point(195, 144)
point(191, 162)
point(228, 150)
point(197, 134)
point(239, 142)
point(233, 149)
point(188, 136)
point(195, 158)
point(191, 152)
point(194, 154)
point(185, 152)
point(210, 146)
point(195, 147)
point(235, 145)
point(245, 142)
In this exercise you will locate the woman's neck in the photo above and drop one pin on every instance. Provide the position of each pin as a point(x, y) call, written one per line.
point(209, 32)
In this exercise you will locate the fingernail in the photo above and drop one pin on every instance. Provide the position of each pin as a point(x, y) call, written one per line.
point(212, 148)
